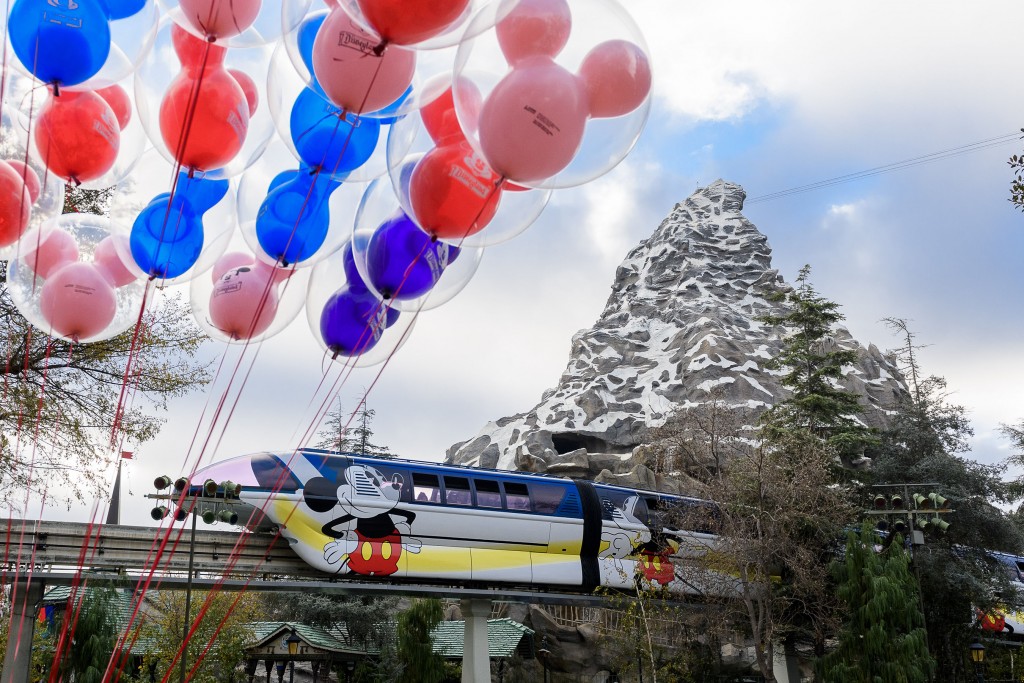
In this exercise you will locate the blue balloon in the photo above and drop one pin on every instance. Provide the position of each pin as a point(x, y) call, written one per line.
point(348, 264)
point(293, 220)
point(167, 236)
point(327, 139)
point(122, 9)
point(306, 37)
point(402, 261)
point(63, 42)
point(351, 323)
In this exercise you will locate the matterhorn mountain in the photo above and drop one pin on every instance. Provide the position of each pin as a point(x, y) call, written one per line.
point(681, 327)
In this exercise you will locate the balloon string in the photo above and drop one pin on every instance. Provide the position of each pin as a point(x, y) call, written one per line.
point(211, 594)
point(133, 351)
point(4, 74)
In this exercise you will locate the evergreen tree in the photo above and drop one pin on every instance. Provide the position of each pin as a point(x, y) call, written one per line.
point(922, 445)
point(415, 652)
point(364, 620)
point(94, 636)
point(883, 637)
point(813, 365)
point(351, 433)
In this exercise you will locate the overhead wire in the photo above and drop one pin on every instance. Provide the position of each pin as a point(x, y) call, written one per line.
point(887, 168)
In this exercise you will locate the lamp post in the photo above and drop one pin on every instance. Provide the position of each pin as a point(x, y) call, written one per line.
point(978, 657)
point(188, 593)
point(542, 654)
point(293, 647)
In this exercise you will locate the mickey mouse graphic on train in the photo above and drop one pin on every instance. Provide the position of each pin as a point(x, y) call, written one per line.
point(373, 545)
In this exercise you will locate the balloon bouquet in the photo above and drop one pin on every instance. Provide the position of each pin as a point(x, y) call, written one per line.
point(353, 158)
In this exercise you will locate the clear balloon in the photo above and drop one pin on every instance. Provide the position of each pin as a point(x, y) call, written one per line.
point(540, 72)
point(317, 133)
point(243, 299)
point(195, 107)
point(86, 44)
point(294, 215)
point(232, 23)
point(28, 194)
point(69, 282)
point(448, 189)
point(353, 325)
point(399, 262)
point(180, 225)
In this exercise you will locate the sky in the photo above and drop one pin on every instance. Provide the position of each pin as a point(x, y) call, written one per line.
point(770, 95)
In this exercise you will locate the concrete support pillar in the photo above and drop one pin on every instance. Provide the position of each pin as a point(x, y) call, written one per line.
point(476, 656)
point(786, 666)
point(25, 597)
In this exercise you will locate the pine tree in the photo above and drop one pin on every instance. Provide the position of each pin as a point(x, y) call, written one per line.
point(420, 664)
point(351, 433)
point(94, 638)
point(883, 637)
point(813, 365)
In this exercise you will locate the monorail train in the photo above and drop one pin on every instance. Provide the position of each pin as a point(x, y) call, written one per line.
point(358, 516)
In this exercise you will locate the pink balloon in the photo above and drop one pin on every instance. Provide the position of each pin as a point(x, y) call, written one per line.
point(355, 69)
point(109, 263)
point(229, 261)
point(617, 76)
point(532, 123)
point(57, 249)
point(534, 28)
point(78, 301)
point(244, 301)
point(220, 18)
point(30, 177)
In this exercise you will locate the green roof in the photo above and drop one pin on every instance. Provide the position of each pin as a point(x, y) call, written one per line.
point(503, 637)
point(123, 606)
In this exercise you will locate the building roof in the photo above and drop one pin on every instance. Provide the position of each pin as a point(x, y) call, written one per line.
point(503, 638)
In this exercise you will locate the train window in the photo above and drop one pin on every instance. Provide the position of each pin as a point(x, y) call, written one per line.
point(428, 489)
point(487, 493)
point(456, 491)
point(547, 497)
point(517, 496)
point(623, 507)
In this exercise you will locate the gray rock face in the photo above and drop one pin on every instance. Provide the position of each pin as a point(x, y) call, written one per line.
point(681, 322)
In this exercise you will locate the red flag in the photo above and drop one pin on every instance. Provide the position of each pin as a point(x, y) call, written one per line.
point(127, 455)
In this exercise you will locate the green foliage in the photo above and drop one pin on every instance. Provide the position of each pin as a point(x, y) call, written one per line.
point(95, 635)
point(231, 613)
point(350, 432)
point(415, 647)
point(365, 620)
point(920, 446)
point(883, 637)
point(813, 366)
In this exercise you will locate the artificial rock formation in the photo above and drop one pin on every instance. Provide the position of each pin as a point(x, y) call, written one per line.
point(681, 324)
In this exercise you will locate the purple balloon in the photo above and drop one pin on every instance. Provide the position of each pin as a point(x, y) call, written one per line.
point(348, 264)
point(352, 322)
point(402, 261)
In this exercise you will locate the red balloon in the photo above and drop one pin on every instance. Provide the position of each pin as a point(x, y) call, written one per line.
point(78, 301)
point(248, 86)
point(405, 22)
point(32, 183)
point(439, 116)
point(15, 204)
point(195, 54)
point(119, 103)
point(77, 135)
point(454, 193)
point(203, 127)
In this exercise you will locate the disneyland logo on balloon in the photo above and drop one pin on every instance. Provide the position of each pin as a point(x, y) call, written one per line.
point(357, 42)
point(477, 187)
